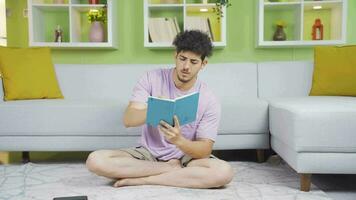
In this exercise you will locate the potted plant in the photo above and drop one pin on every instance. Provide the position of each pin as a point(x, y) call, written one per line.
point(97, 18)
point(219, 6)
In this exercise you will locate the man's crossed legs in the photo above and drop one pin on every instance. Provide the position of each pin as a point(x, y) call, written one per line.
point(131, 170)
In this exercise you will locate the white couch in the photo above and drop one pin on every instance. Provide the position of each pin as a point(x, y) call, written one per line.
point(313, 134)
point(90, 116)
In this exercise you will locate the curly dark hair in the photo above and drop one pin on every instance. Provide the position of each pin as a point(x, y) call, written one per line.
point(194, 41)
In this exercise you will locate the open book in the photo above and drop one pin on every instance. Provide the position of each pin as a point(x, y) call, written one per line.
point(185, 107)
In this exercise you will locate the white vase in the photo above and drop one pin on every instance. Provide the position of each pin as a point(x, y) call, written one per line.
point(96, 32)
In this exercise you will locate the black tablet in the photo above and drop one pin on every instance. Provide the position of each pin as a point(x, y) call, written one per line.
point(71, 198)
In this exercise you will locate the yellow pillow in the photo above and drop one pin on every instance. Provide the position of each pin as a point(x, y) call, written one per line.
point(334, 71)
point(28, 73)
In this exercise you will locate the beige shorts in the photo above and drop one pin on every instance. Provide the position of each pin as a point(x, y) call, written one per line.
point(142, 153)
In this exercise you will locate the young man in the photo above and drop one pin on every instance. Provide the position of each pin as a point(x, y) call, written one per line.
point(170, 155)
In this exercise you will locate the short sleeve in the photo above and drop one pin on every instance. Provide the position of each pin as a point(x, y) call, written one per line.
point(141, 90)
point(209, 124)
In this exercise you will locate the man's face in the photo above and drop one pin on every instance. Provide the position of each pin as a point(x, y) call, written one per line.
point(188, 65)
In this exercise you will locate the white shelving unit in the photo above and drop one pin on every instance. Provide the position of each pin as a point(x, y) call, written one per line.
point(3, 32)
point(45, 15)
point(299, 16)
point(181, 9)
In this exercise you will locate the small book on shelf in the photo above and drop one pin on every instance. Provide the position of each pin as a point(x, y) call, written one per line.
point(185, 107)
point(162, 29)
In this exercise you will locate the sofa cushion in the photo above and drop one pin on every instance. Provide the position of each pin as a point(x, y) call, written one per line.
point(235, 85)
point(243, 116)
point(334, 71)
point(116, 81)
point(101, 81)
point(284, 79)
point(28, 73)
point(231, 80)
point(64, 117)
point(314, 124)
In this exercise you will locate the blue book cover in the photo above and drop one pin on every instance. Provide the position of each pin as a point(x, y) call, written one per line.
point(185, 107)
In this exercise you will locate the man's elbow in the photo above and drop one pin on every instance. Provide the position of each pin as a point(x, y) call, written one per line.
point(126, 123)
point(131, 123)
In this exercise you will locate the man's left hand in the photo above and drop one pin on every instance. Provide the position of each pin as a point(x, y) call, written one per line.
point(171, 133)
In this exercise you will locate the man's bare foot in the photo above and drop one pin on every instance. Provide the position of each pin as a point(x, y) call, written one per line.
point(120, 182)
point(174, 163)
point(130, 182)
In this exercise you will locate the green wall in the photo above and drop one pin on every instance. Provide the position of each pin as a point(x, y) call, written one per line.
point(241, 28)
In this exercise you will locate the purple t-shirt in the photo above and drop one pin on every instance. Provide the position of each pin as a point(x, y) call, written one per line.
point(160, 82)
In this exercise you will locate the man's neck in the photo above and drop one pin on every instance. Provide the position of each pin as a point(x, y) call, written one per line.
point(181, 85)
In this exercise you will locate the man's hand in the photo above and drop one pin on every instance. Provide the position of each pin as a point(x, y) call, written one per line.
point(200, 148)
point(172, 134)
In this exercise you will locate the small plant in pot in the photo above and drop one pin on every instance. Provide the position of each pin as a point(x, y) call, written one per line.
point(219, 7)
point(97, 18)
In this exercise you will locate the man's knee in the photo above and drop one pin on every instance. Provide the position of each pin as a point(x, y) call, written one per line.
point(98, 161)
point(95, 161)
point(223, 173)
